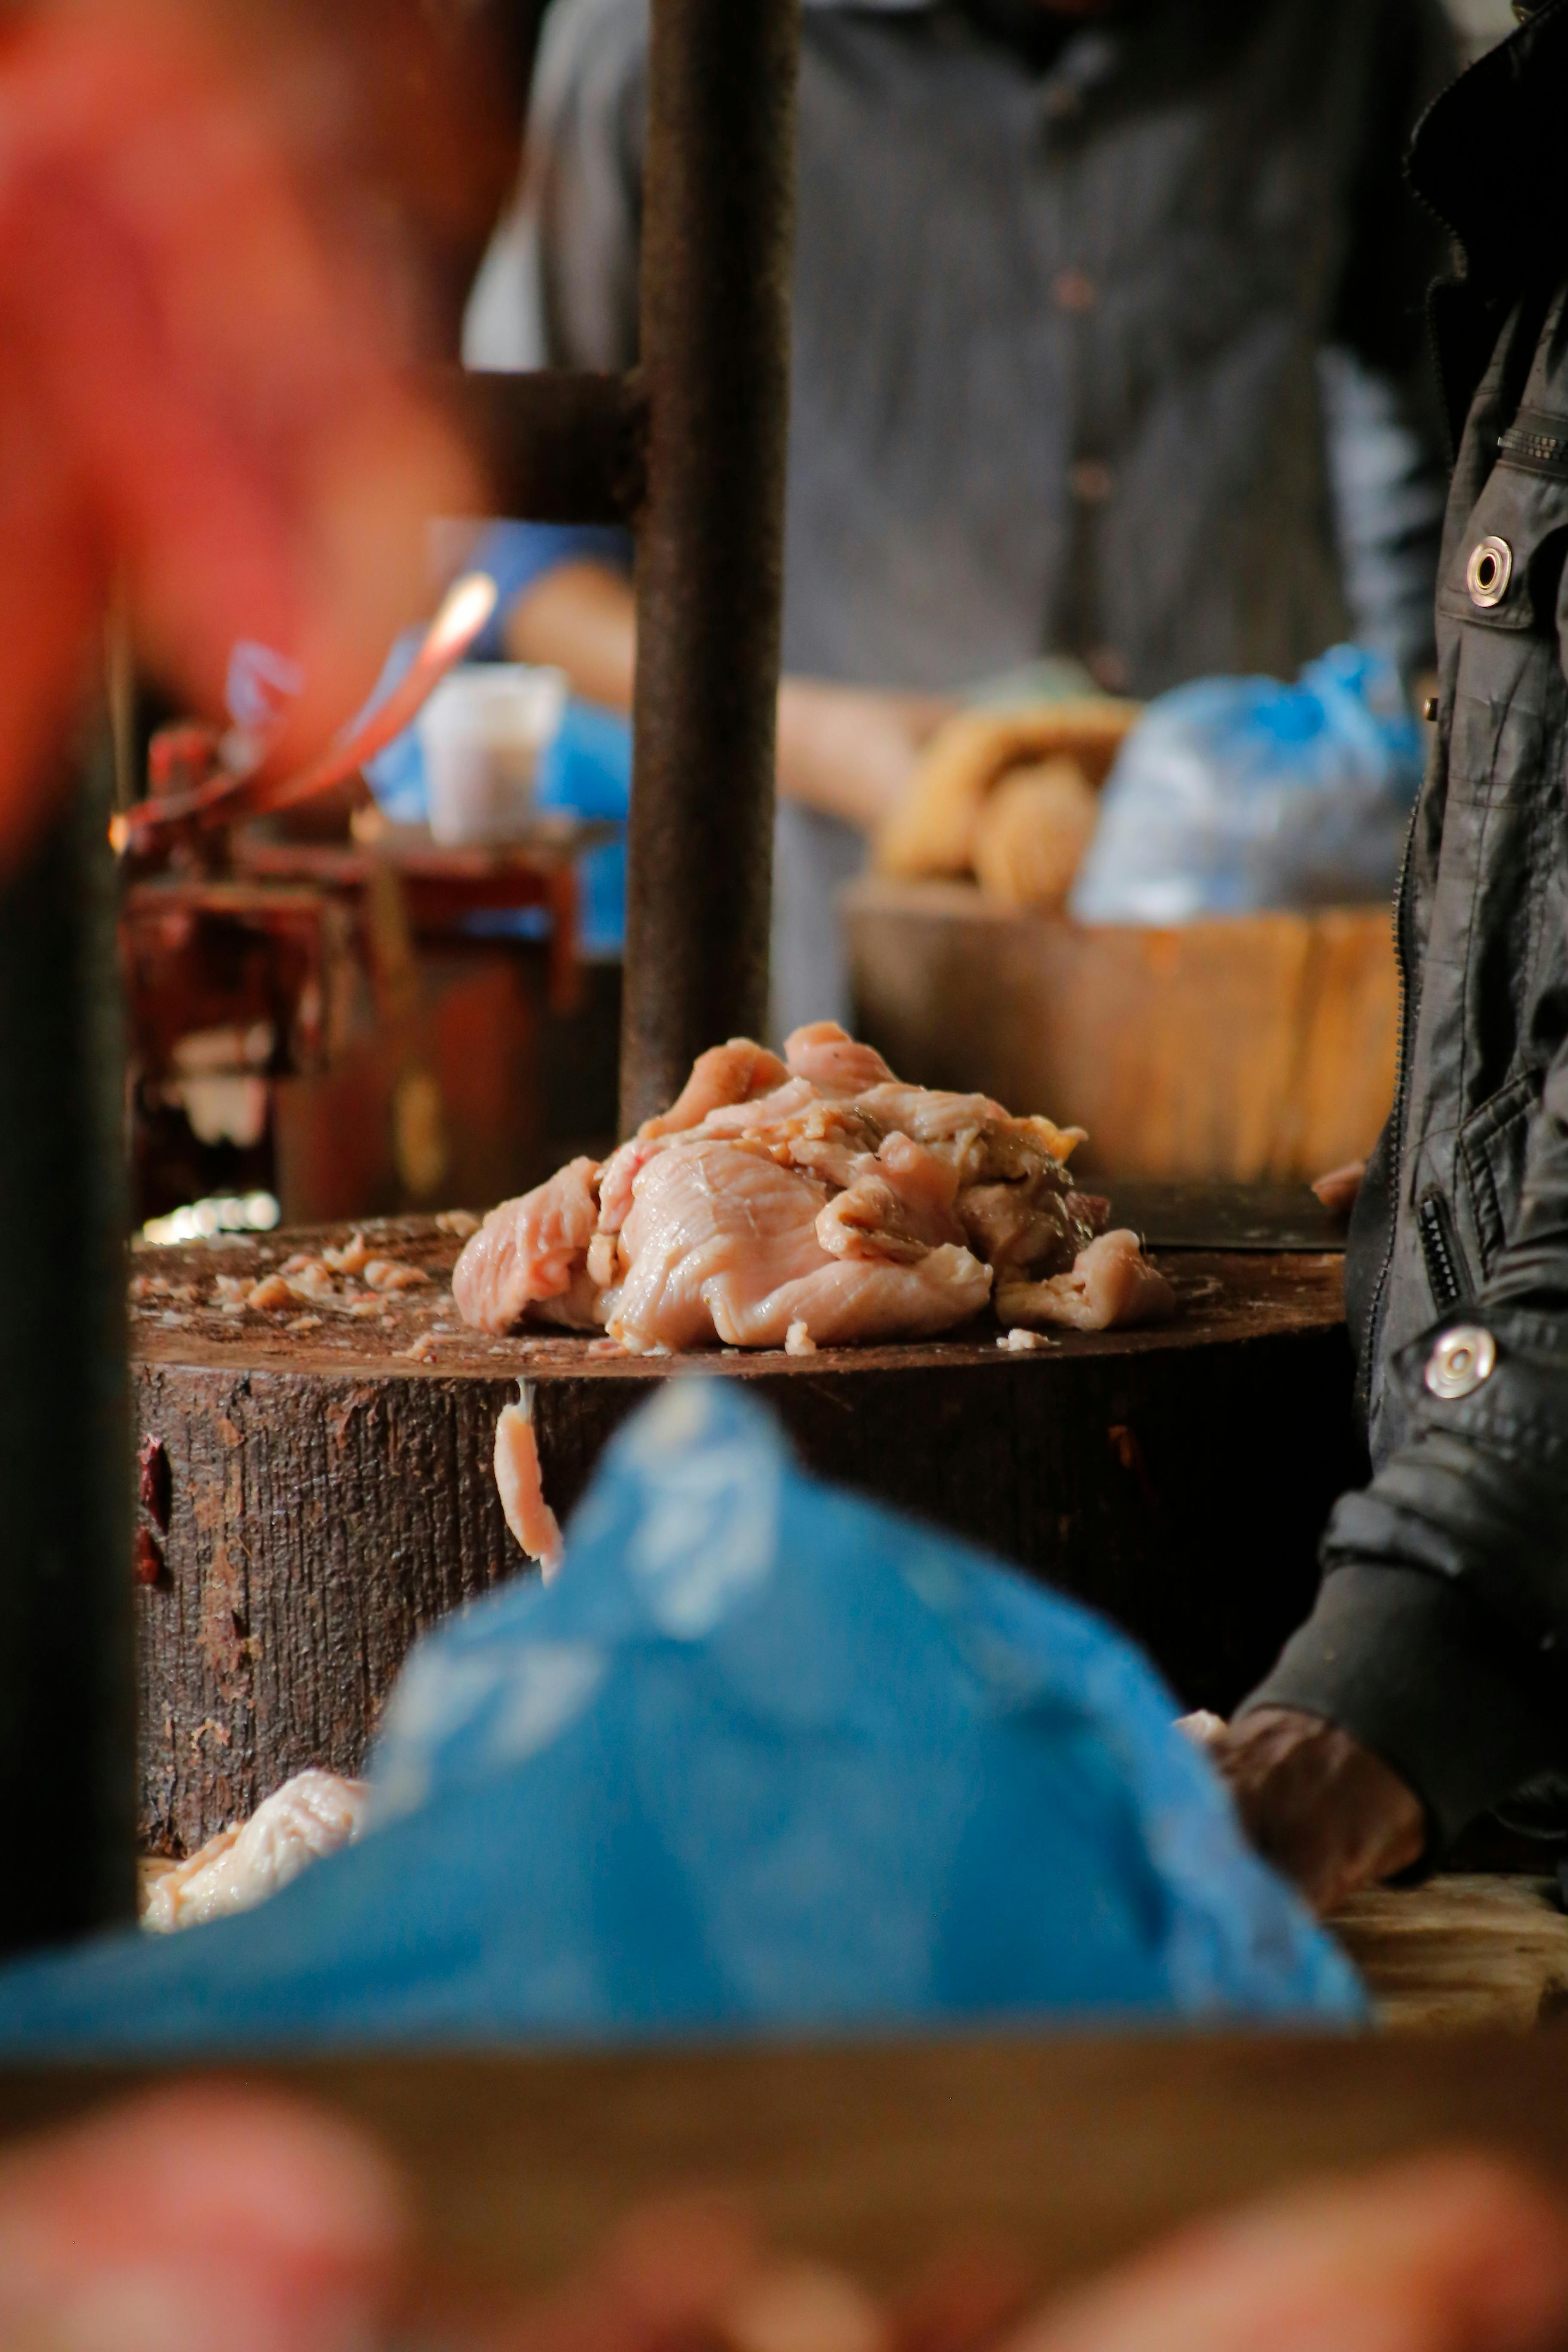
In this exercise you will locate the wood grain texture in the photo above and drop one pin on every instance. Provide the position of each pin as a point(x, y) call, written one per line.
point(1077, 2149)
point(1257, 1047)
point(332, 1493)
point(1460, 1953)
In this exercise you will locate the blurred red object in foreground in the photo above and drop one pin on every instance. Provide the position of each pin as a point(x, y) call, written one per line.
point(199, 2218)
point(1449, 2253)
point(207, 2215)
point(198, 395)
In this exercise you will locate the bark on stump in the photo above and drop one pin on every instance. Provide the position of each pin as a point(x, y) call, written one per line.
point(331, 1494)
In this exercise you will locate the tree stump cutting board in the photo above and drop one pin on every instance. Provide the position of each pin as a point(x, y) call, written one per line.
point(326, 1481)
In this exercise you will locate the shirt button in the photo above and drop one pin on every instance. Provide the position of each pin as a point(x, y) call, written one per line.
point(1431, 709)
point(1075, 291)
point(1461, 1360)
point(1091, 481)
point(1109, 669)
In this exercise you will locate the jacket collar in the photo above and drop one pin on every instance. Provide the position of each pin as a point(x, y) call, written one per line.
point(1488, 156)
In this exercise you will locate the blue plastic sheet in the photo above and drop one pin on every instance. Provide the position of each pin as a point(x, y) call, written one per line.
point(765, 1758)
point(1239, 793)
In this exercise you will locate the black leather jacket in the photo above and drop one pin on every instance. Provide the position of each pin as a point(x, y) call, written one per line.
point(1441, 1638)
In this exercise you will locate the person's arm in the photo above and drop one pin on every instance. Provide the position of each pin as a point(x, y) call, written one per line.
point(579, 616)
point(847, 751)
point(1436, 1641)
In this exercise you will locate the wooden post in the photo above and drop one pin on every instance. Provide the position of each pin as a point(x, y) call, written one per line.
point(717, 245)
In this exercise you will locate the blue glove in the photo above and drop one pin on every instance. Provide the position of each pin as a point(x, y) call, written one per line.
point(588, 771)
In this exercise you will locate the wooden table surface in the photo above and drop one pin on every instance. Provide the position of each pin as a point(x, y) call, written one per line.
point(1076, 2148)
point(1466, 1951)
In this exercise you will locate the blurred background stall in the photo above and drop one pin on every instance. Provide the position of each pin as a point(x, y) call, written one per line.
point(1112, 533)
point(1049, 496)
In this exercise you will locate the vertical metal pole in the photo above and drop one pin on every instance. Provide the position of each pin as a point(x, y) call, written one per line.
point(66, 1709)
point(717, 240)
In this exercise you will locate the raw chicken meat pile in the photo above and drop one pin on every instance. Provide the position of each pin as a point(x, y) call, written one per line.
point(807, 1202)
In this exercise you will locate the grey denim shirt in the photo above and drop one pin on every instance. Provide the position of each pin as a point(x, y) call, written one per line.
point(1060, 329)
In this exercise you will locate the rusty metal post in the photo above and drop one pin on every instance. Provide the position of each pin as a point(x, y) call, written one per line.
point(717, 241)
point(68, 1777)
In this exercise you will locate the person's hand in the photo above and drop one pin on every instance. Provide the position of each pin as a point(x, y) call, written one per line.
point(1450, 2253)
point(1324, 1810)
point(580, 617)
point(1339, 1190)
point(849, 751)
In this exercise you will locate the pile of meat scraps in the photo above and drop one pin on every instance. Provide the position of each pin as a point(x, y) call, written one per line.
point(313, 1814)
point(812, 1201)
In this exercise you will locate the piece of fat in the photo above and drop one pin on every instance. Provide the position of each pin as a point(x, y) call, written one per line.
point(313, 1814)
point(520, 1486)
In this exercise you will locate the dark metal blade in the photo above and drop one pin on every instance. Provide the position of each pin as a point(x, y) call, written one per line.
point(1203, 1215)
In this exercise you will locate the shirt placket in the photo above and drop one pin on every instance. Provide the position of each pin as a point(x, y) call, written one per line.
point(1076, 292)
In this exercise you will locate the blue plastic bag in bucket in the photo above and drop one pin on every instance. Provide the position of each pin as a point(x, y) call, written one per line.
point(1235, 794)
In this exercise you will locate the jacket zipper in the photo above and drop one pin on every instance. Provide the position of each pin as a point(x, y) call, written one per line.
point(1402, 890)
point(1446, 1276)
point(1396, 1117)
point(1402, 887)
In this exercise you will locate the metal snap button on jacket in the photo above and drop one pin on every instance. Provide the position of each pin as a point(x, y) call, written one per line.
point(1489, 571)
point(1460, 1361)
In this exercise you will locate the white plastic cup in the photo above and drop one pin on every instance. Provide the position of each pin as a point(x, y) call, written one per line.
point(482, 733)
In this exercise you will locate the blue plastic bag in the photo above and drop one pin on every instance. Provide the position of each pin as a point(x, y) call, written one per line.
point(1237, 794)
point(765, 1758)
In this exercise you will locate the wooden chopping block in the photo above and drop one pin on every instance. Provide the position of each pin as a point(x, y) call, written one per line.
point(329, 1494)
point(1250, 1048)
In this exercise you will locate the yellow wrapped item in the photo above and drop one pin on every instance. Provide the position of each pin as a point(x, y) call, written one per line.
point(1050, 761)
